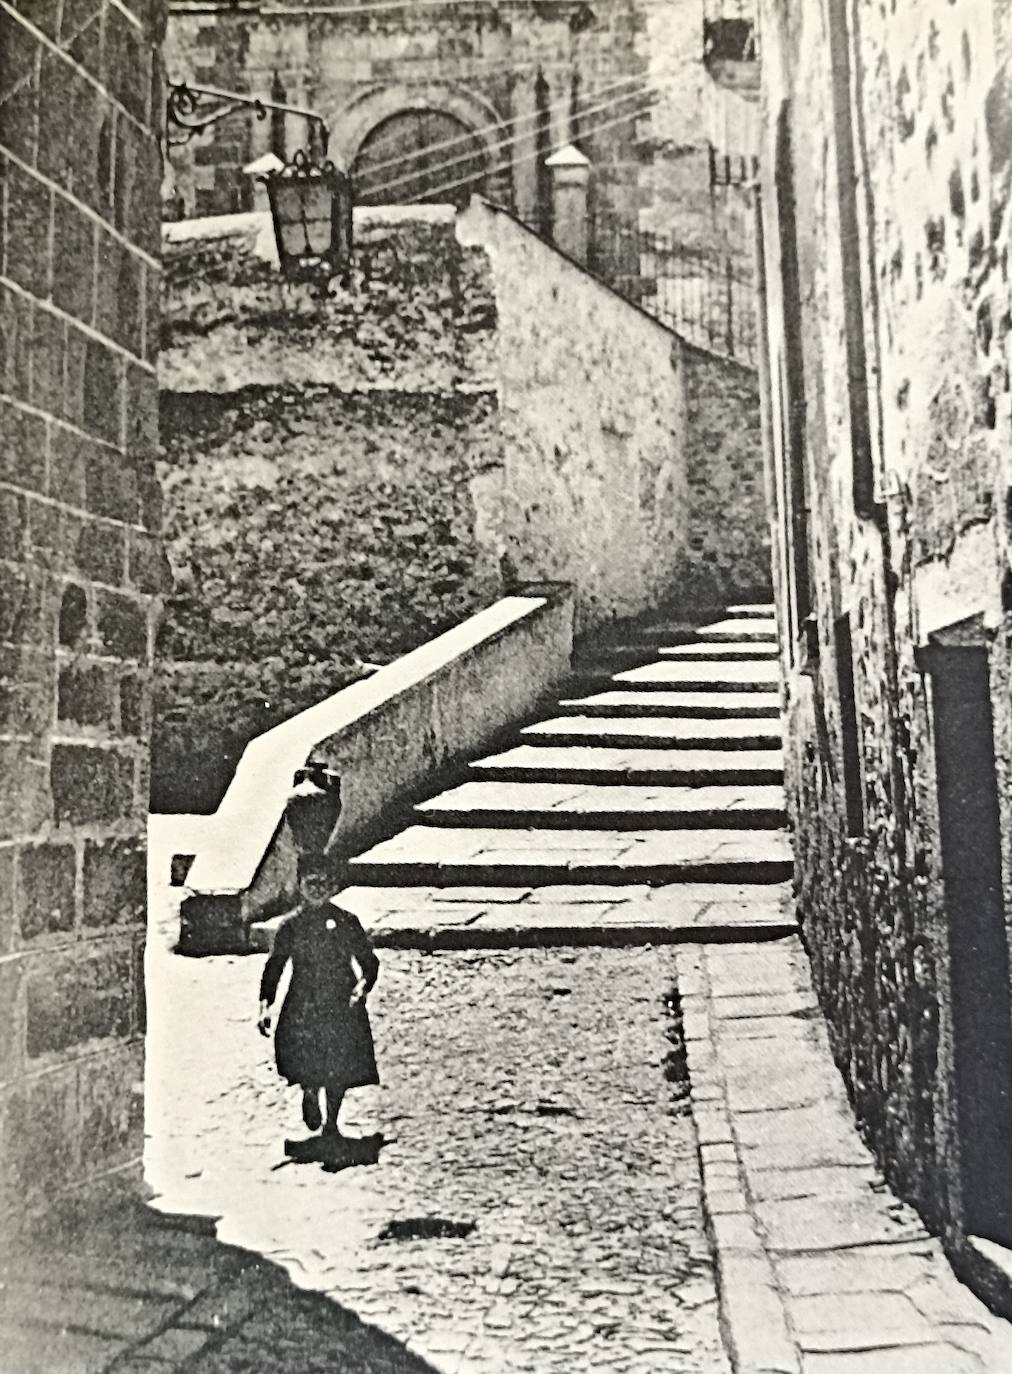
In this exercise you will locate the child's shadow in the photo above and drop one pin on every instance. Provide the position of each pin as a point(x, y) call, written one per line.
point(335, 1152)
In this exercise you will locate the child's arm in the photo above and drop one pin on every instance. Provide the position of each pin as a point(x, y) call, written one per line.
point(361, 950)
point(273, 969)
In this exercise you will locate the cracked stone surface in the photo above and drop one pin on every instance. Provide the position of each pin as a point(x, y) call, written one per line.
point(527, 1092)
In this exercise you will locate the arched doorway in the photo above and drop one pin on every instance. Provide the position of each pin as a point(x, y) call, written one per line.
point(416, 156)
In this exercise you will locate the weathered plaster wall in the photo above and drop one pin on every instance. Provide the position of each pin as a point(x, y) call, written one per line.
point(632, 464)
point(922, 270)
point(593, 423)
point(80, 572)
point(311, 530)
point(418, 316)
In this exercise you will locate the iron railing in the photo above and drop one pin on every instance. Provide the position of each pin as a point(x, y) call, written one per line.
point(706, 296)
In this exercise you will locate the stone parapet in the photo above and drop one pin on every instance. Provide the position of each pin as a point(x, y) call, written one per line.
point(388, 737)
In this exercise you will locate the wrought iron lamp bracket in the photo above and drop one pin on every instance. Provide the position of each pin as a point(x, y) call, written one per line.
point(189, 110)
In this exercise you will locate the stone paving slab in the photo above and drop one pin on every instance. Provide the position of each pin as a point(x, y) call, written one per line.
point(608, 916)
point(705, 675)
point(822, 1269)
point(630, 703)
point(548, 804)
point(659, 732)
point(637, 767)
point(433, 855)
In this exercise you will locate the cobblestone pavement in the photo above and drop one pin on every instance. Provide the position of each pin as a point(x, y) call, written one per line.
point(527, 1095)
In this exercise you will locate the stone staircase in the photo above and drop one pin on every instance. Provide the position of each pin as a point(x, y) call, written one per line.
point(647, 805)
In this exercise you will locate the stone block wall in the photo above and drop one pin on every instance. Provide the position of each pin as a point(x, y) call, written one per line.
point(728, 555)
point(80, 94)
point(888, 424)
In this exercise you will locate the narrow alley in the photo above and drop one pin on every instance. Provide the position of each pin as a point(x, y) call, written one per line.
point(576, 1159)
point(532, 1100)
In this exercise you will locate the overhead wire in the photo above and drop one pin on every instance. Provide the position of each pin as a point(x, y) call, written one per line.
point(491, 148)
point(561, 103)
point(506, 163)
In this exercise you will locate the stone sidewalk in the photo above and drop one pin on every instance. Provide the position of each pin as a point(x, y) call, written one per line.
point(821, 1269)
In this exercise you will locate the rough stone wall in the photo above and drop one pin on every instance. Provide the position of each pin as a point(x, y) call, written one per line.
point(922, 267)
point(346, 478)
point(728, 556)
point(80, 101)
point(331, 474)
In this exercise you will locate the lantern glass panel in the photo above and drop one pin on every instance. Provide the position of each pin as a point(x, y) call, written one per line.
point(303, 208)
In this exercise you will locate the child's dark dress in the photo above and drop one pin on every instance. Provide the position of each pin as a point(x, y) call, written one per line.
point(321, 1041)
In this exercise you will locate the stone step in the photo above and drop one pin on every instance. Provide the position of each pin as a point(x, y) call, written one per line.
point(718, 649)
point(628, 915)
point(424, 855)
point(638, 767)
point(751, 611)
point(608, 659)
point(657, 732)
point(708, 675)
point(741, 629)
point(563, 806)
point(691, 705)
point(652, 631)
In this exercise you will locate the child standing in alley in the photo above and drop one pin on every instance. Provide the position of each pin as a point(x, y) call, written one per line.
point(323, 1042)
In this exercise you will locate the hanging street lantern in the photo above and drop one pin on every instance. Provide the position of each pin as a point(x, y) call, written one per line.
point(311, 205)
point(310, 197)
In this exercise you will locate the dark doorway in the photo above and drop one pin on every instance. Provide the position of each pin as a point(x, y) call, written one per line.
point(977, 939)
point(417, 156)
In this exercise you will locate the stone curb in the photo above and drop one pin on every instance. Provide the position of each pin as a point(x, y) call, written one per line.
point(531, 935)
point(753, 1314)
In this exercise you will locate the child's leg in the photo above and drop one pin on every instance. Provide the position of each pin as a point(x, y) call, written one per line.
point(311, 1108)
point(334, 1097)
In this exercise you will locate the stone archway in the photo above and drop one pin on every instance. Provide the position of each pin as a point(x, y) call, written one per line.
point(405, 119)
point(416, 156)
